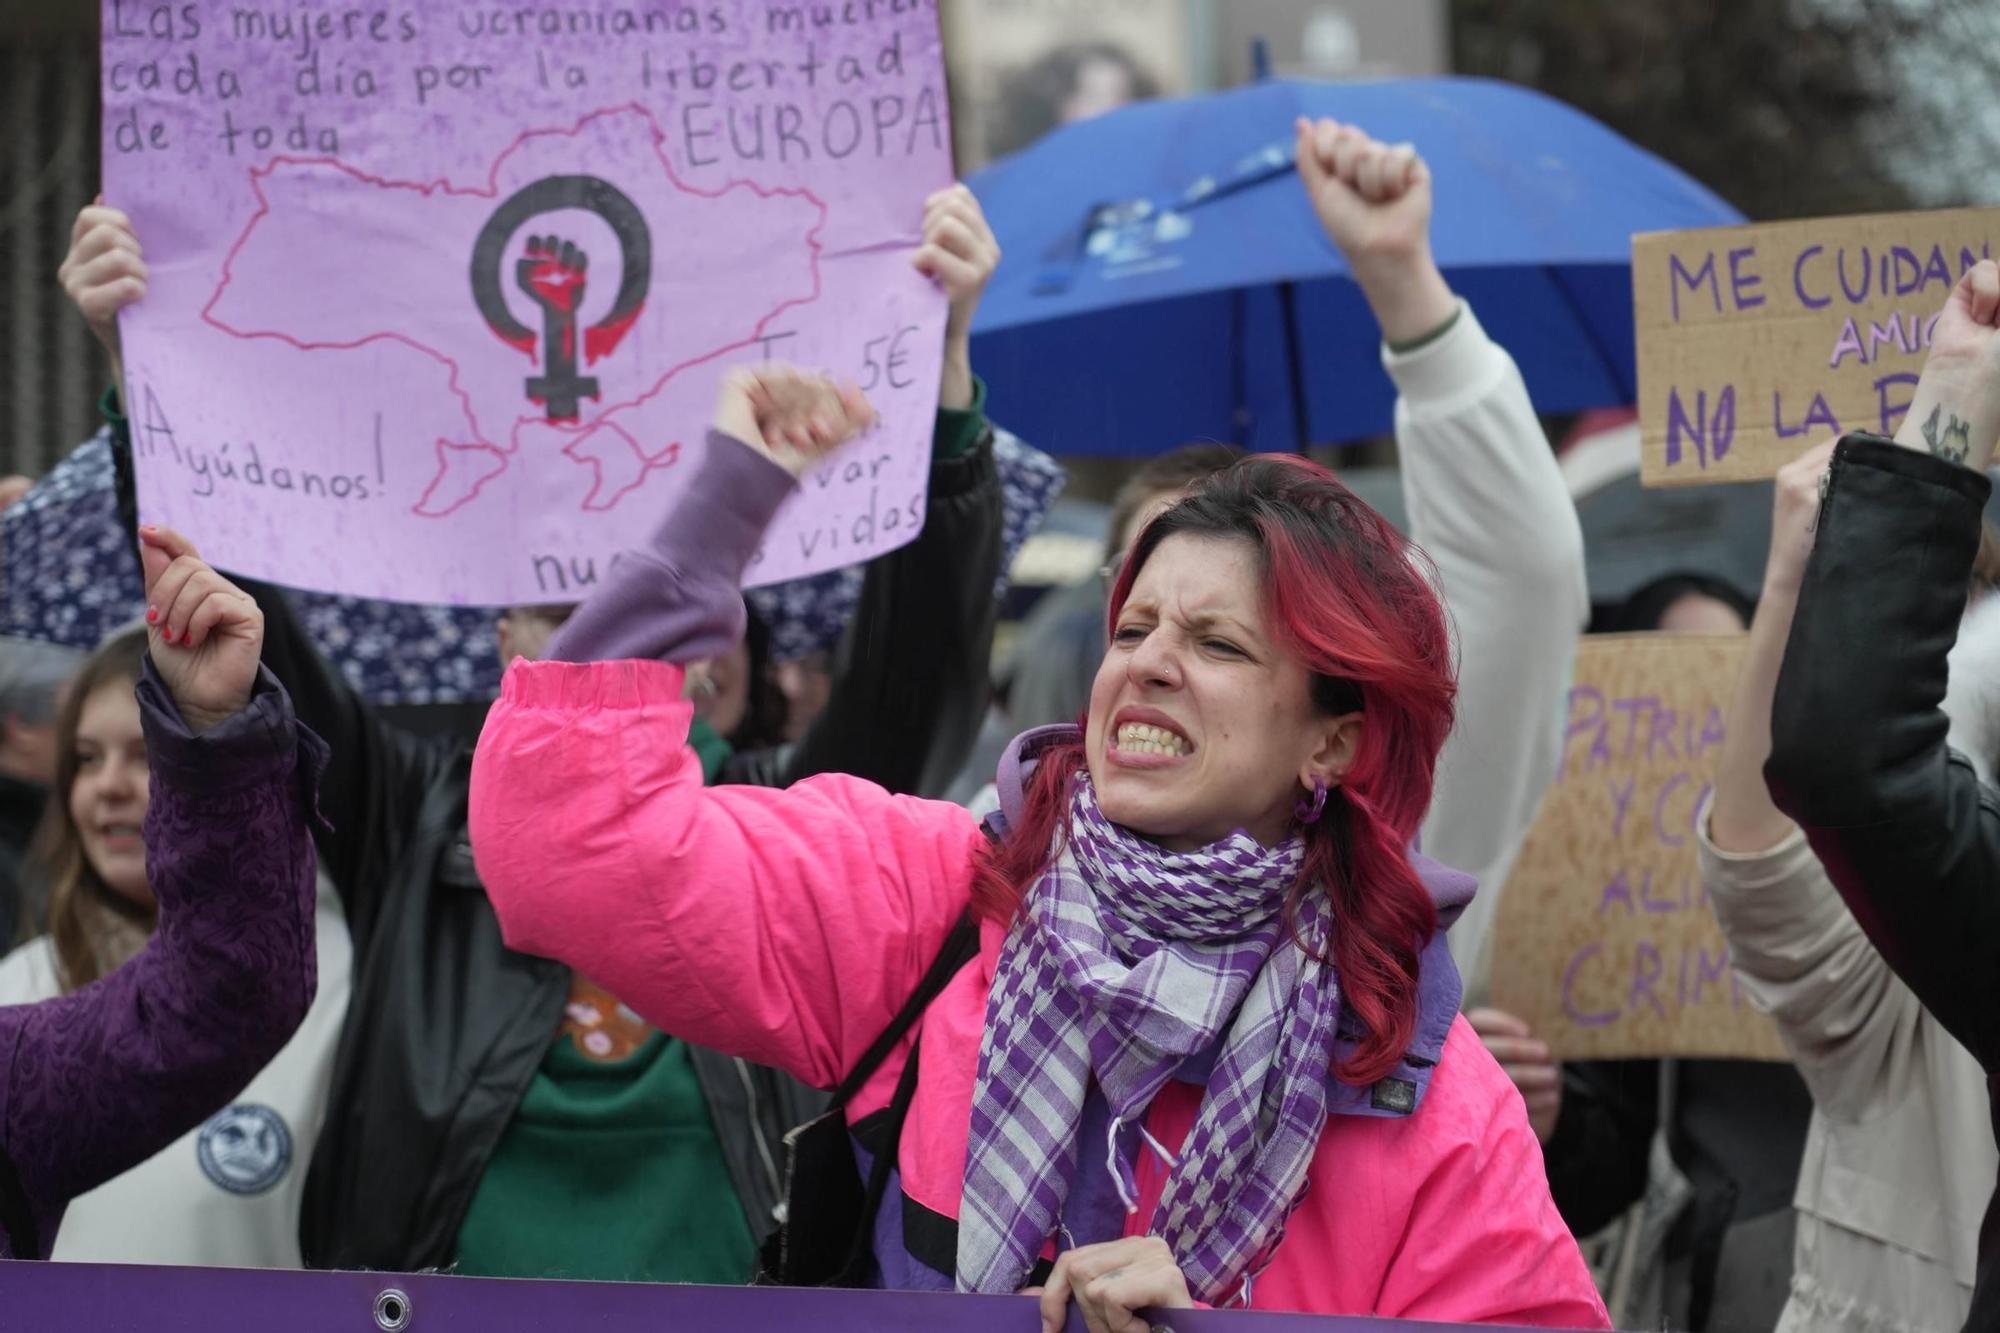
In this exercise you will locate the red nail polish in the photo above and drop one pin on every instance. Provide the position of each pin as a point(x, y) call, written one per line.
point(152, 615)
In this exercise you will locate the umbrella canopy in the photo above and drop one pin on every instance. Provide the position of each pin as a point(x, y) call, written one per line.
point(1633, 536)
point(1151, 254)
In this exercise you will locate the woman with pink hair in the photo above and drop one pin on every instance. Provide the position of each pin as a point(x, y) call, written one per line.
point(1208, 1046)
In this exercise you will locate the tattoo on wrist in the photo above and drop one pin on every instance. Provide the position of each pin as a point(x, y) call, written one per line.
point(1953, 440)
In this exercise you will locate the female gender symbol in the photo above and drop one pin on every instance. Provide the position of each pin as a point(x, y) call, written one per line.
point(553, 275)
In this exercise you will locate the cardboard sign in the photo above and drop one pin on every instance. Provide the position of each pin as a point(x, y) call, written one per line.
point(1606, 942)
point(441, 293)
point(1757, 342)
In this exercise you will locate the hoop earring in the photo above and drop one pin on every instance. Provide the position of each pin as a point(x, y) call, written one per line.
point(1310, 811)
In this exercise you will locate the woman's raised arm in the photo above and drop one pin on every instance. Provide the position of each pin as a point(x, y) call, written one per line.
point(94, 1082)
point(786, 927)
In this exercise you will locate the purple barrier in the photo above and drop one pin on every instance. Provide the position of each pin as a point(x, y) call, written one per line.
point(93, 1298)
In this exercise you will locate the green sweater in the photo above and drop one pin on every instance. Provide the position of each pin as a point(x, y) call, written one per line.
point(610, 1171)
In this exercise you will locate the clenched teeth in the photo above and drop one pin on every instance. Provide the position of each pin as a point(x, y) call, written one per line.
point(1138, 738)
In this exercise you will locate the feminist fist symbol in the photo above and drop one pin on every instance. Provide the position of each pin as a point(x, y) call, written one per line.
point(553, 276)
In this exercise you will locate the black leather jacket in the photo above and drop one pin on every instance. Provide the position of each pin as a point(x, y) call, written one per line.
point(446, 1026)
point(1903, 826)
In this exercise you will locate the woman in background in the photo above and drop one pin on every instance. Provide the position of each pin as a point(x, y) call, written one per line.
point(197, 788)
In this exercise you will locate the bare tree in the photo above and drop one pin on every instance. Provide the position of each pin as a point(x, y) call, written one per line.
point(1787, 108)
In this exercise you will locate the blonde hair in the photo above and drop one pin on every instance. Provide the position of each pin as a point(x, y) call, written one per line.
point(92, 927)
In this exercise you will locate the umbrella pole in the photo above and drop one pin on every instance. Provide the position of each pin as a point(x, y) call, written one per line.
point(1288, 307)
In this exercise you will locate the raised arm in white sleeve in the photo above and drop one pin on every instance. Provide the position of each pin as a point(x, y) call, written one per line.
point(1488, 504)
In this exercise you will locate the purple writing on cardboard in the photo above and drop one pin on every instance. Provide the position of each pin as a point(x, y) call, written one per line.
point(1652, 760)
point(1756, 342)
point(1702, 419)
point(441, 295)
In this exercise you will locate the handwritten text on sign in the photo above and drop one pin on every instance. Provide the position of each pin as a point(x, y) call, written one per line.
point(1756, 342)
point(1606, 941)
point(442, 293)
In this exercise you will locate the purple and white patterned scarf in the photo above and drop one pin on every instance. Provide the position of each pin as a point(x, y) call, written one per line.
point(1127, 959)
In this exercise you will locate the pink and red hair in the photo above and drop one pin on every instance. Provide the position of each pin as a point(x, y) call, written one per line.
point(1351, 599)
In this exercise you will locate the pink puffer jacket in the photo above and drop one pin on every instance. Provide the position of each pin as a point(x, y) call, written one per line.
point(787, 927)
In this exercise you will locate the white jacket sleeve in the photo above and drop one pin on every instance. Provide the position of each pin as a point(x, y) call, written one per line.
point(1854, 1029)
point(1488, 504)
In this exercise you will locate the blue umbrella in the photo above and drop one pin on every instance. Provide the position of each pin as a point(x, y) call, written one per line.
point(1166, 278)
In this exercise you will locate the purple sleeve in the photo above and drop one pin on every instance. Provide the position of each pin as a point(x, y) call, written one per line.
point(681, 598)
point(95, 1082)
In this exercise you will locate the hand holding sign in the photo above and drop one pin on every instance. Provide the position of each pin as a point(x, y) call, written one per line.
point(1956, 412)
point(207, 634)
point(104, 272)
point(437, 309)
point(1111, 1283)
point(1374, 199)
point(959, 253)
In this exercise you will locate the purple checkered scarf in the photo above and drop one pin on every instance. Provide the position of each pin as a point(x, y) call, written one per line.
point(1126, 960)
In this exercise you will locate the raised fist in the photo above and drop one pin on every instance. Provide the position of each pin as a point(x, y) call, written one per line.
point(1795, 516)
point(792, 416)
point(553, 274)
point(1955, 413)
point(1374, 199)
point(206, 634)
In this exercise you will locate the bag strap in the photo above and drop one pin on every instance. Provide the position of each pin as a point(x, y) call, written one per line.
point(959, 947)
point(888, 1157)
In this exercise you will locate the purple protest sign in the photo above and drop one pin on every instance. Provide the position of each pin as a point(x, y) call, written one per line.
point(87, 1298)
point(441, 293)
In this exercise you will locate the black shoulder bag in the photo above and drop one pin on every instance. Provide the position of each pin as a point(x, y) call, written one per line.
point(825, 1239)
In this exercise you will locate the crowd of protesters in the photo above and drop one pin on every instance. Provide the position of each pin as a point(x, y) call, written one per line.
point(693, 970)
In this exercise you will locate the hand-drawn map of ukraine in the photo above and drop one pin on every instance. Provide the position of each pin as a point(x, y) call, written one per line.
point(591, 393)
point(454, 331)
